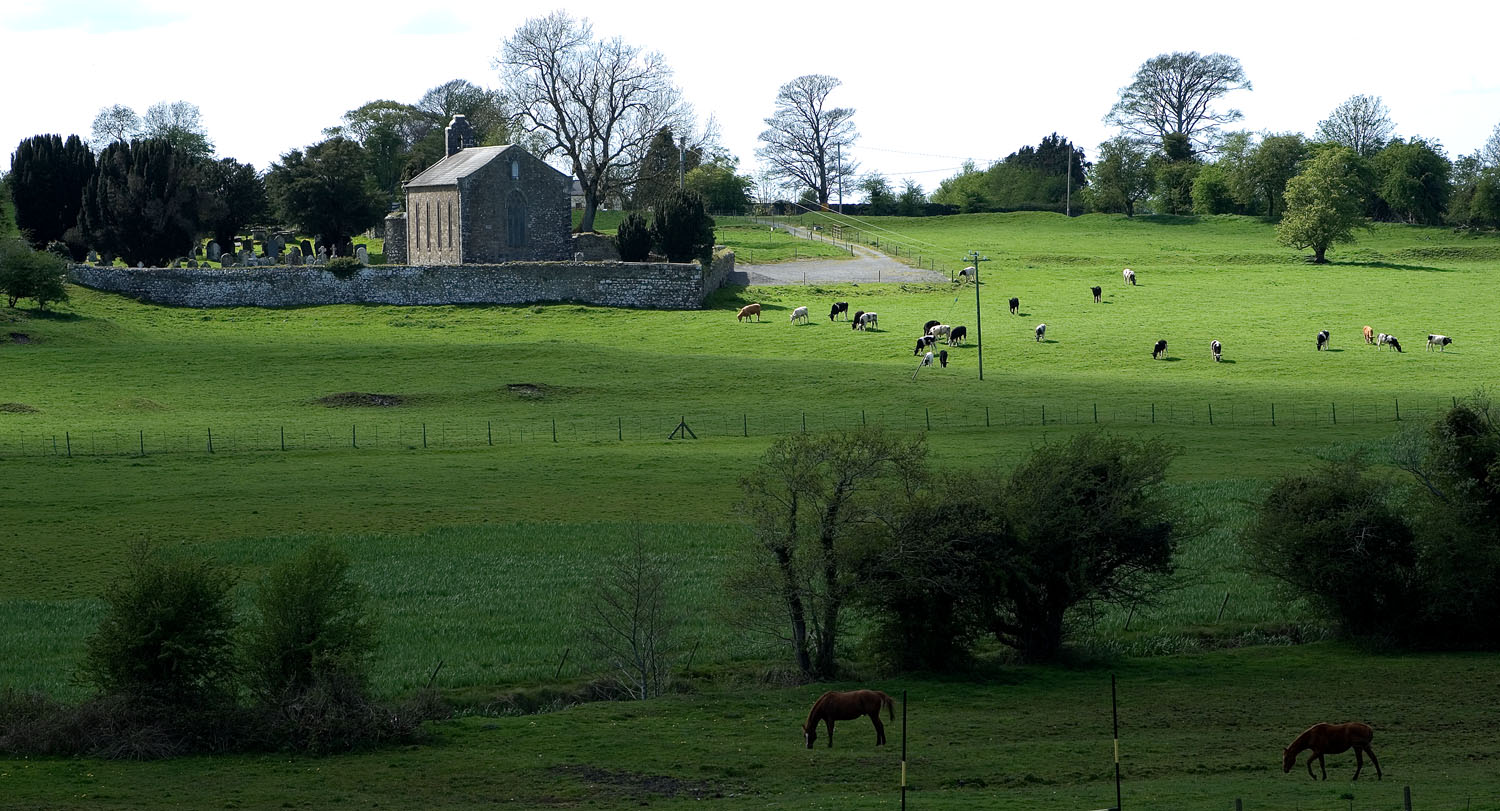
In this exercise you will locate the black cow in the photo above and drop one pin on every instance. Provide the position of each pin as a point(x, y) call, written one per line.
point(839, 307)
point(957, 335)
point(1098, 292)
point(857, 314)
point(1160, 350)
point(943, 358)
point(1322, 338)
point(1015, 306)
point(927, 327)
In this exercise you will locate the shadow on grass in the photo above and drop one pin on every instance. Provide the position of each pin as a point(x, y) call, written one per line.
point(1388, 266)
point(52, 315)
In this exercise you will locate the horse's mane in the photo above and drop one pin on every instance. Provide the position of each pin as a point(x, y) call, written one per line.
point(812, 714)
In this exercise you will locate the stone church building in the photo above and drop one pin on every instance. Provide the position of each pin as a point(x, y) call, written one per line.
point(484, 205)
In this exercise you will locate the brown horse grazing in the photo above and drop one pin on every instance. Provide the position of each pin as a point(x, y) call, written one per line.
point(835, 706)
point(1332, 739)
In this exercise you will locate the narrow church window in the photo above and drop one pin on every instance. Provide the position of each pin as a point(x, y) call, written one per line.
point(440, 225)
point(450, 223)
point(427, 209)
point(515, 219)
point(515, 170)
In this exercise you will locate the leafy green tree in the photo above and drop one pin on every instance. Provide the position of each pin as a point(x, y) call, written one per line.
point(1175, 168)
point(233, 196)
point(1077, 522)
point(7, 209)
point(1176, 93)
point(1121, 178)
point(911, 201)
point(313, 625)
point(180, 124)
point(811, 501)
point(878, 194)
point(1484, 202)
point(1489, 154)
point(967, 190)
point(1323, 204)
point(142, 203)
point(25, 273)
point(1362, 123)
point(326, 190)
point(167, 631)
point(47, 178)
point(1055, 156)
point(1413, 180)
point(1272, 164)
point(633, 238)
point(656, 175)
point(682, 231)
point(722, 190)
point(1213, 191)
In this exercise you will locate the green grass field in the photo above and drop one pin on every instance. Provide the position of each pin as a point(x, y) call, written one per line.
point(475, 529)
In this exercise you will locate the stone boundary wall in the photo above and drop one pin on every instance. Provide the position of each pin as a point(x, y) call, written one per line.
point(611, 284)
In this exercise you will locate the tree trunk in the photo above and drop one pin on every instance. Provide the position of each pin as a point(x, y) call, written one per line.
point(1318, 252)
point(590, 205)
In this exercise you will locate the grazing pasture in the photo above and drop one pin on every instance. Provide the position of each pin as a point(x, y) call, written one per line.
point(421, 440)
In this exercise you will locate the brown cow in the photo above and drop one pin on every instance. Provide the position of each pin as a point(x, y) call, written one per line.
point(747, 311)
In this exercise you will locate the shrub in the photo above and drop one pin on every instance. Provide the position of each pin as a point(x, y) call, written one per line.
point(25, 273)
point(166, 637)
point(682, 230)
point(343, 267)
point(1335, 537)
point(312, 627)
point(633, 239)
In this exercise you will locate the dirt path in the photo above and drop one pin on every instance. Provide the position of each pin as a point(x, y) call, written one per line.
point(867, 265)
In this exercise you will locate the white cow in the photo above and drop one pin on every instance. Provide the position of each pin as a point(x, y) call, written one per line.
point(868, 321)
point(800, 312)
point(939, 330)
point(1129, 276)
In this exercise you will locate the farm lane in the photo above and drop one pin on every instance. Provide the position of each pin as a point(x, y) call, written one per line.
point(867, 265)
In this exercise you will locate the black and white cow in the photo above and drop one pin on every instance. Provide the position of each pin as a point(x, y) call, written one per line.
point(923, 343)
point(1041, 331)
point(867, 321)
point(1439, 341)
point(1391, 341)
point(839, 307)
point(1216, 349)
point(1160, 350)
point(927, 327)
point(1322, 338)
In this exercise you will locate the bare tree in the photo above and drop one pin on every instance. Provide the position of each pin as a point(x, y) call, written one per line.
point(1176, 93)
point(1361, 123)
point(631, 624)
point(806, 140)
point(816, 504)
point(114, 123)
point(597, 102)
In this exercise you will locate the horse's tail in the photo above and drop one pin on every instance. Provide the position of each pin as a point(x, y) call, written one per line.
point(890, 705)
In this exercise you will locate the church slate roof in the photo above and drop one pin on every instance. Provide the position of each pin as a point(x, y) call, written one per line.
point(449, 170)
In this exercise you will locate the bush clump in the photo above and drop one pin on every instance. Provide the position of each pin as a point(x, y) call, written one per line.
point(633, 239)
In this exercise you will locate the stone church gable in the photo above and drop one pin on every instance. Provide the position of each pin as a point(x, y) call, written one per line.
point(483, 205)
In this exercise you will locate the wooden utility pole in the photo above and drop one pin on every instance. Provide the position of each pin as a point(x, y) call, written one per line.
point(974, 260)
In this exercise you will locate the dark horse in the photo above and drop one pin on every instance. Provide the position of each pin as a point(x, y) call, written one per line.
point(835, 706)
point(1332, 739)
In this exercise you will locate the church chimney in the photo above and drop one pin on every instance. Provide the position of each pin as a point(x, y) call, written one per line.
point(460, 134)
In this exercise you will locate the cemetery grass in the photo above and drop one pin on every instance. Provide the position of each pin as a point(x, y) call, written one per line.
point(107, 373)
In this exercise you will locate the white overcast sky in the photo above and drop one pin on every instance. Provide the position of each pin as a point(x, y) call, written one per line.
point(933, 83)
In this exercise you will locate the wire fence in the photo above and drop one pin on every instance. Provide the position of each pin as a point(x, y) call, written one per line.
point(377, 433)
point(1383, 796)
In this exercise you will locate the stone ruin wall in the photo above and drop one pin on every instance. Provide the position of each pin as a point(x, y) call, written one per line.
point(611, 284)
